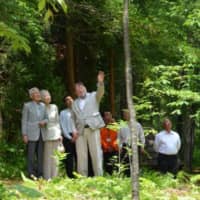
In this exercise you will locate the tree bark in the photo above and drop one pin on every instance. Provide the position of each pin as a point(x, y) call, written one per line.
point(70, 68)
point(128, 74)
point(188, 142)
point(112, 82)
point(1, 122)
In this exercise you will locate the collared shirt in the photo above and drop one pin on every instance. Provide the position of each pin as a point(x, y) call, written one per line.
point(67, 123)
point(125, 135)
point(81, 103)
point(167, 143)
point(37, 106)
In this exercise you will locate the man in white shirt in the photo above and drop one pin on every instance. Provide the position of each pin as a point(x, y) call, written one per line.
point(88, 121)
point(69, 136)
point(167, 144)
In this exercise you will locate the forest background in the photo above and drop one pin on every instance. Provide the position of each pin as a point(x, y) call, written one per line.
point(50, 45)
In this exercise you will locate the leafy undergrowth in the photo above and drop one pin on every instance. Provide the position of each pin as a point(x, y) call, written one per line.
point(153, 186)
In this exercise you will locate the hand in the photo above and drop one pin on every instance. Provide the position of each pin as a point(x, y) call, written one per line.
point(25, 139)
point(110, 149)
point(100, 77)
point(42, 124)
point(142, 150)
point(60, 139)
point(74, 136)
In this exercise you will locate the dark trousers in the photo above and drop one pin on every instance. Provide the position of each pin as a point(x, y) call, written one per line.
point(35, 157)
point(71, 160)
point(167, 163)
point(109, 161)
point(126, 159)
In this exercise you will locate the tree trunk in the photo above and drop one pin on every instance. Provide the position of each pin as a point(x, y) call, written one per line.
point(128, 74)
point(70, 68)
point(188, 142)
point(1, 122)
point(112, 82)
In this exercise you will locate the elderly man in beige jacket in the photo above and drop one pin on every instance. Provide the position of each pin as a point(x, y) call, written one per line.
point(88, 121)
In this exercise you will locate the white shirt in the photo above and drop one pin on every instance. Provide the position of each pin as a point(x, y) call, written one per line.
point(167, 143)
point(67, 123)
point(125, 135)
point(82, 103)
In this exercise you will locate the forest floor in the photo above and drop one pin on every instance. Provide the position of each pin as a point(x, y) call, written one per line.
point(153, 186)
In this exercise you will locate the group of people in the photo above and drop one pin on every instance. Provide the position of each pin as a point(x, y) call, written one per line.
point(77, 126)
point(84, 134)
point(116, 144)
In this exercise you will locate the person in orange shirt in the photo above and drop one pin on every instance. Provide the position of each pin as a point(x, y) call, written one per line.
point(109, 143)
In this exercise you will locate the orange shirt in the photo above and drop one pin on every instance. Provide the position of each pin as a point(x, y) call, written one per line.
point(108, 140)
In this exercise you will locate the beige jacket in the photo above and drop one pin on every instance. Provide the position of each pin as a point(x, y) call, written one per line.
point(90, 114)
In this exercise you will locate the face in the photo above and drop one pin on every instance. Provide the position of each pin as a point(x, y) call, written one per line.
point(47, 99)
point(35, 96)
point(80, 90)
point(126, 116)
point(167, 125)
point(107, 117)
point(68, 101)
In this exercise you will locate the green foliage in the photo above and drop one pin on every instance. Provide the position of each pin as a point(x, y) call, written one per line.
point(21, 72)
point(49, 7)
point(12, 159)
point(168, 95)
point(152, 186)
point(11, 35)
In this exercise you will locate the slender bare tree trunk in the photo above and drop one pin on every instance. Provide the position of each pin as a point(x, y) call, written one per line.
point(112, 82)
point(128, 74)
point(69, 54)
point(188, 141)
point(1, 122)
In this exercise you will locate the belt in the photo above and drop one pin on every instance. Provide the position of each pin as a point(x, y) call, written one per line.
point(86, 126)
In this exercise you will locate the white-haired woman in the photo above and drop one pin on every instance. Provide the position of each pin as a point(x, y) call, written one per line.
point(52, 137)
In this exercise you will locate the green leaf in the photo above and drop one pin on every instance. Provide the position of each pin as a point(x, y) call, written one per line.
point(63, 5)
point(17, 41)
point(41, 5)
point(48, 16)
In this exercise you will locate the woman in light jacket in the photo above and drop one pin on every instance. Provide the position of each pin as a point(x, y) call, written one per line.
point(52, 137)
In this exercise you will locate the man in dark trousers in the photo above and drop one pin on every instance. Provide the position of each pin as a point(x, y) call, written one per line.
point(69, 136)
point(34, 120)
point(167, 144)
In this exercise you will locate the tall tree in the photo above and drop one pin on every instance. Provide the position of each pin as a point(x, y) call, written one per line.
point(128, 74)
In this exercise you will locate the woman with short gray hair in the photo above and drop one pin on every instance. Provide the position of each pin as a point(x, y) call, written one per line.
point(52, 137)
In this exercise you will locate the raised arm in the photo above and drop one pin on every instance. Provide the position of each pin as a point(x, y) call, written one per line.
point(100, 86)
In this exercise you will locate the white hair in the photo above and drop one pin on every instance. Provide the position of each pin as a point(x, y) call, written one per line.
point(32, 91)
point(43, 93)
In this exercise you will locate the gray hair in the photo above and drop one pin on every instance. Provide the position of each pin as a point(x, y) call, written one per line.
point(33, 90)
point(43, 93)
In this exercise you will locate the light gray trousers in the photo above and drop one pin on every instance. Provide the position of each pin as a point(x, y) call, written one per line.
point(89, 140)
point(50, 164)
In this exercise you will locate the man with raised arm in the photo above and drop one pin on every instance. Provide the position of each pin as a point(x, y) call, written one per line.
point(88, 123)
